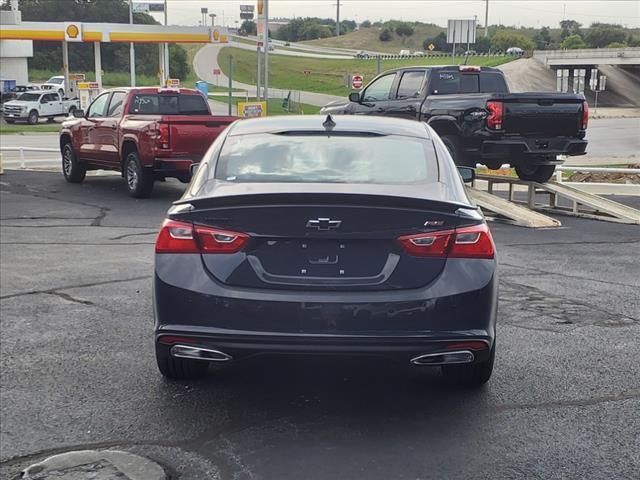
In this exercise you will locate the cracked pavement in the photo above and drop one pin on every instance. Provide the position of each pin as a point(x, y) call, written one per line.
point(78, 369)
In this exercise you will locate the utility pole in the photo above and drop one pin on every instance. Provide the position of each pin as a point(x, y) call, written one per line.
point(338, 18)
point(132, 51)
point(486, 18)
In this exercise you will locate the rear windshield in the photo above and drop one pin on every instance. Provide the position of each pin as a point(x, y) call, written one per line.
point(163, 104)
point(29, 97)
point(321, 159)
point(451, 82)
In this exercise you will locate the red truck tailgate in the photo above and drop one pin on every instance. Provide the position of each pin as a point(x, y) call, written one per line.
point(191, 135)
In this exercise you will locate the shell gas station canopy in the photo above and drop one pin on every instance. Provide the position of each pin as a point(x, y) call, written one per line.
point(97, 33)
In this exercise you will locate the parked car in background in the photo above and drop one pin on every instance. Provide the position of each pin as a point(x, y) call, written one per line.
point(418, 53)
point(362, 54)
point(55, 83)
point(33, 105)
point(405, 53)
point(351, 236)
point(515, 51)
point(469, 53)
point(17, 91)
point(477, 118)
point(146, 134)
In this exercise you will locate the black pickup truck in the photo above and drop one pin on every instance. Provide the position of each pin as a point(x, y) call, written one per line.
point(477, 118)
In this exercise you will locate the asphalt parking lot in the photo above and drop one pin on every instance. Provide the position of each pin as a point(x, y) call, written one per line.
point(78, 369)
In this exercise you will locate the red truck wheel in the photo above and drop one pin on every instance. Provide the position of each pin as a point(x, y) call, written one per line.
point(74, 171)
point(139, 180)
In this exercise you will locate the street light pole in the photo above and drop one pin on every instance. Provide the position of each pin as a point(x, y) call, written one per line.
point(166, 45)
point(266, 52)
point(132, 51)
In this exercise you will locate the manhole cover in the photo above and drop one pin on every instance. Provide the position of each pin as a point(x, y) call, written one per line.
point(95, 465)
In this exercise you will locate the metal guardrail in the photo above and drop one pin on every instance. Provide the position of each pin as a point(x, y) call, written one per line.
point(23, 161)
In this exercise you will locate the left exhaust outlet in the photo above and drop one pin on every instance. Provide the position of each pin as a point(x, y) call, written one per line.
point(444, 358)
point(199, 353)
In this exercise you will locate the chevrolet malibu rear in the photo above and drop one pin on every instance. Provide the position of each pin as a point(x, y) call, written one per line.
point(312, 235)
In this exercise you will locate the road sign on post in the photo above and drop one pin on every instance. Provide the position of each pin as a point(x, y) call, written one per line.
point(357, 81)
point(461, 31)
point(431, 47)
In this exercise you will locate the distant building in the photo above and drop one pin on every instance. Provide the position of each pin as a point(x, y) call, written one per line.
point(14, 53)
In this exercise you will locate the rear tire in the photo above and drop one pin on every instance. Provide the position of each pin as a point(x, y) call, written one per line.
point(74, 171)
point(179, 368)
point(473, 375)
point(139, 180)
point(33, 117)
point(454, 146)
point(535, 173)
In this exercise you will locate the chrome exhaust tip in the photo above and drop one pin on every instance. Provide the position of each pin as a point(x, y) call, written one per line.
point(444, 358)
point(199, 353)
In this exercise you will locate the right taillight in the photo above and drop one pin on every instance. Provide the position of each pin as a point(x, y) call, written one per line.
point(494, 119)
point(183, 237)
point(585, 115)
point(466, 242)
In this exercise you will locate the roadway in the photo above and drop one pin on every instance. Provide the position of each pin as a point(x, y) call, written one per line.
point(78, 369)
point(611, 141)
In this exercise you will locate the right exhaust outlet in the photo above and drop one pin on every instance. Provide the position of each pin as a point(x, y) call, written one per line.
point(444, 358)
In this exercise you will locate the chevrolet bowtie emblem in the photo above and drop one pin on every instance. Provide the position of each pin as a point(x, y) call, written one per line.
point(323, 223)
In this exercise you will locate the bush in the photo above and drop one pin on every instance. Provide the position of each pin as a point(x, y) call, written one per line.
point(572, 42)
point(503, 40)
point(404, 30)
point(385, 35)
point(617, 45)
point(439, 42)
point(365, 24)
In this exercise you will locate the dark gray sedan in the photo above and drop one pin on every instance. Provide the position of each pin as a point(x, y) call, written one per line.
point(318, 235)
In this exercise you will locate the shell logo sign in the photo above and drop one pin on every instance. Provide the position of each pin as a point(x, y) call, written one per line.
point(218, 36)
point(73, 32)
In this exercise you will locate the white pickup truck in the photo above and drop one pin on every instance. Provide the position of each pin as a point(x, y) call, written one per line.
point(36, 104)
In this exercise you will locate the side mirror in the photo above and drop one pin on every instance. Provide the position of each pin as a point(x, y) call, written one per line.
point(78, 113)
point(468, 174)
point(194, 168)
point(354, 97)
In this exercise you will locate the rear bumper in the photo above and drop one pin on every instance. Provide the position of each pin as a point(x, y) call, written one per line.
point(543, 150)
point(461, 305)
point(173, 167)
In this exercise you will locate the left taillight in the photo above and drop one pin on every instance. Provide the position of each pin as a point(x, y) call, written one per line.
point(163, 139)
point(585, 115)
point(466, 242)
point(184, 237)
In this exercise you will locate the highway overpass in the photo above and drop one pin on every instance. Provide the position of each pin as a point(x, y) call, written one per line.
point(588, 56)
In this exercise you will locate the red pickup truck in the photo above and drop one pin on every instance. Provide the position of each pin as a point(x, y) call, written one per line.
point(147, 134)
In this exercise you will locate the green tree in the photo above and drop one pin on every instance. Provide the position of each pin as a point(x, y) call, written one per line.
point(504, 39)
point(385, 35)
point(572, 42)
point(617, 45)
point(404, 29)
point(439, 42)
point(347, 26)
point(568, 28)
point(482, 45)
point(365, 24)
point(602, 34)
point(249, 27)
point(542, 38)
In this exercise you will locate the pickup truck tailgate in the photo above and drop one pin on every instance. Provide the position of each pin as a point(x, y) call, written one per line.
point(191, 135)
point(542, 114)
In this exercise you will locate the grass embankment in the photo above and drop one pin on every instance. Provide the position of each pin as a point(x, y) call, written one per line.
point(25, 128)
point(327, 75)
point(368, 39)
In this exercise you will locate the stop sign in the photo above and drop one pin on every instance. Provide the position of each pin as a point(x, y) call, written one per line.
point(356, 82)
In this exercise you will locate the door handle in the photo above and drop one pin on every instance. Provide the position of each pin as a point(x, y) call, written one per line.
point(113, 127)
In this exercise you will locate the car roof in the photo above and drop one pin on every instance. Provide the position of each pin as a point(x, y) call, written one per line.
point(343, 123)
point(441, 67)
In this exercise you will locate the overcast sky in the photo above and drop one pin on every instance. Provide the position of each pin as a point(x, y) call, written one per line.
point(530, 13)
